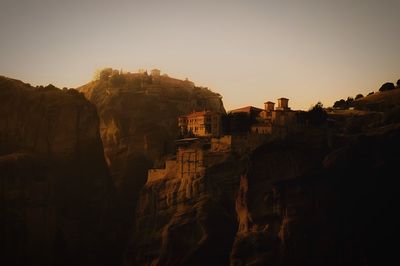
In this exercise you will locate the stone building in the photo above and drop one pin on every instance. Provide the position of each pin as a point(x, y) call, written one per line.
point(190, 158)
point(162, 173)
point(201, 124)
point(269, 106)
point(190, 161)
point(264, 127)
point(155, 72)
point(283, 104)
point(270, 120)
point(283, 116)
point(236, 143)
point(250, 111)
point(193, 157)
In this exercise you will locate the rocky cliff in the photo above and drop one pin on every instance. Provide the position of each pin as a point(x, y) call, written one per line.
point(139, 117)
point(55, 187)
point(320, 195)
point(139, 124)
point(188, 221)
point(317, 197)
point(328, 215)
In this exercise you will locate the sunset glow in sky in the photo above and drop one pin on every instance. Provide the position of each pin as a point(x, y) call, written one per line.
point(248, 51)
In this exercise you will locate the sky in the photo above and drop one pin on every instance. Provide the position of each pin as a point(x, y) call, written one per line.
point(249, 51)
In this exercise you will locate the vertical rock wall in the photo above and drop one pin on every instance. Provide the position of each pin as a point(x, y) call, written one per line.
point(55, 187)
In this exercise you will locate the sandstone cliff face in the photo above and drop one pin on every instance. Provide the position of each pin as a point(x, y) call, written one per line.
point(139, 119)
point(138, 126)
point(324, 196)
point(312, 199)
point(187, 221)
point(55, 186)
point(328, 214)
point(275, 200)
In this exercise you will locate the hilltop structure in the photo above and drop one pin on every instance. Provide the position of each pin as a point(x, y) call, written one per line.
point(270, 119)
point(204, 143)
point(201, 124)
point(155, 72)
point(192, 158)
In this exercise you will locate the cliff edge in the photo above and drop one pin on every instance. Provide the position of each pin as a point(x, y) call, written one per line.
point(55, 186)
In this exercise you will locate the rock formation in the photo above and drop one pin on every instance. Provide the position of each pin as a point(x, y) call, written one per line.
point(55, 187)
point(139, 118)
point(139, 124)
point(187, 221)
point(316, 197)
point(327, 215)
point(320, 195)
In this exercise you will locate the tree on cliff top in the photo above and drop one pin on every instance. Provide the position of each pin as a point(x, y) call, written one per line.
point(387, 87)
point(359, 96)
point(103, 74)
point(115, 77)
point(317, 114)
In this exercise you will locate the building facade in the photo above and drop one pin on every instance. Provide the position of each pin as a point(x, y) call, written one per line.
point(201, 124)
point(283, 104)
point(155, 72)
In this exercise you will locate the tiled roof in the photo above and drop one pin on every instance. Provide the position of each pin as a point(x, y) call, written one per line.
point(196, 114)
point(247, 109)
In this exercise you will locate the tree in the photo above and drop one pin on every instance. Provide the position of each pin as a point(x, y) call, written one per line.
point(387, 86)
point(317, 114)
point(103, 74)
point(398, 84)
point(117, 79)
point(340, 104)
point(359, 96)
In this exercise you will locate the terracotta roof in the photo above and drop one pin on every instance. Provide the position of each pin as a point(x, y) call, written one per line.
point(283, 98)
point(270, 102)
point(196, 114)
point(247, 109)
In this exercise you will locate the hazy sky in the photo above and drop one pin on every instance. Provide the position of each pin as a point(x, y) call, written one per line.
point(250, 51)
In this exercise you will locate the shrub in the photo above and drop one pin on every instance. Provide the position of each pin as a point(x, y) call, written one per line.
point(103, 74)
point(359, 96)
point(317, 115)
point(340, 104)
point(387, 87)
point(117, 79)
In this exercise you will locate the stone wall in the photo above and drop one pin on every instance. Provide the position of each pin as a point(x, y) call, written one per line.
point(222, 144)
point(162, 173)
point(261, 129)
point(239, 143)
point(190, 162)
point(156, 174)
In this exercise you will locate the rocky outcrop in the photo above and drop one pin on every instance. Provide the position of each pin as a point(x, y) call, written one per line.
point(269, 205)
point(327, 212)
point(138, 126)
point(139, 118)
point(319, 196)
point(187, 221)
point(308, 199)
point(55, 186)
